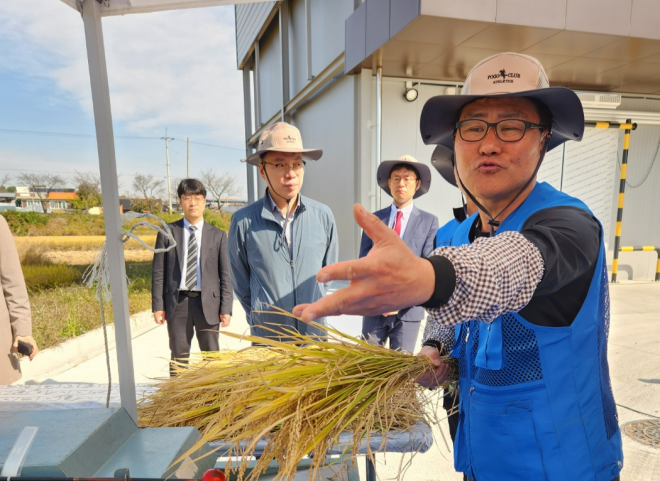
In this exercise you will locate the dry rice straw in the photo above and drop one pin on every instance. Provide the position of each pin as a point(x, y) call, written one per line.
point(298, 394)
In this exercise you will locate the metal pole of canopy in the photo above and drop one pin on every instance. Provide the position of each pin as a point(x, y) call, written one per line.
point(98, 76)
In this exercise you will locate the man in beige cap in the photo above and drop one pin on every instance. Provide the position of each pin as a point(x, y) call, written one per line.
point(524, 281)
point(404, 179)
point(278, 243)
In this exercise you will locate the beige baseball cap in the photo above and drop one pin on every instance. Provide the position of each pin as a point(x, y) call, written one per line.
point(506, 74)
point(385, 168)
point(282, 137)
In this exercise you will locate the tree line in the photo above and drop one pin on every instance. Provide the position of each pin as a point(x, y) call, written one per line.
point(149, 190)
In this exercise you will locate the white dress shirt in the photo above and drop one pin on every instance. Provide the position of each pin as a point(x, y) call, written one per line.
point(407, 210)
point(184, 264)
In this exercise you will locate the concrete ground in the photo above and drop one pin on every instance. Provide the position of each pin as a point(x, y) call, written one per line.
point(634, 360)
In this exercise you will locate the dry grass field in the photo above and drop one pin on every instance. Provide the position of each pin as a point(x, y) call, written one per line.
point(55, 251)
point(62, 306)
point(81, 250)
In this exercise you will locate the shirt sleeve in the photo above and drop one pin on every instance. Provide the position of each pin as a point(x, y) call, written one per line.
point(568, 239)
point(332, 249)
point(240, 268)
point(494, 276)
point(12, 284)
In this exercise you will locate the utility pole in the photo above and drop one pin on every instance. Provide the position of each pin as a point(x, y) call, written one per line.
point(167, 157)
point(188, 158)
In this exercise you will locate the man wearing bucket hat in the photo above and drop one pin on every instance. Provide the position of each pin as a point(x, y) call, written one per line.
point(278, 243)
point(525, 282)
point(404, 179)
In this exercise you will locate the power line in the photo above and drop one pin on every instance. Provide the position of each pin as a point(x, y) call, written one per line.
point(213, 145)
point(88, 136)
point(65, 134)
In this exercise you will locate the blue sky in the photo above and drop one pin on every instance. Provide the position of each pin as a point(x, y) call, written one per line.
point(171, 69)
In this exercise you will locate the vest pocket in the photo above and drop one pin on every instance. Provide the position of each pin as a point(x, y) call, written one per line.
point(503, 442)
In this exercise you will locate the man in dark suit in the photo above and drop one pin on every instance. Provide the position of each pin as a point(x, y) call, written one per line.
point(404, 179)
point(191, 285)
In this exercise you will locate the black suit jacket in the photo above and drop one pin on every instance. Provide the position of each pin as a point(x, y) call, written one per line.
point(217, 295)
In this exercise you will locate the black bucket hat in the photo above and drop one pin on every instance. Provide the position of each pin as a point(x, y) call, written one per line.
point(443, 161)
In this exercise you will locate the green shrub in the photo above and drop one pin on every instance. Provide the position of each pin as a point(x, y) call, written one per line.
point(50, 276)
point(220, 220)
point(20, 222)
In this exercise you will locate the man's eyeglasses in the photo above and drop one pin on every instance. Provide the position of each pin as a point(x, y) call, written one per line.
point(195, 199)
point(406, 180)
point(509, 130)
point(282, 169)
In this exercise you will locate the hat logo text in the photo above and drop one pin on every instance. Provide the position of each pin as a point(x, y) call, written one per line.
point(289, 140)
point(503, 77)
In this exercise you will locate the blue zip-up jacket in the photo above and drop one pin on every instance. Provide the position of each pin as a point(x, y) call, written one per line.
point(536, 401)
point(262, 270)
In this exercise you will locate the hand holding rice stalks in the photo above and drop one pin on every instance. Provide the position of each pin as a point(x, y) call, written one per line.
point(298, 394)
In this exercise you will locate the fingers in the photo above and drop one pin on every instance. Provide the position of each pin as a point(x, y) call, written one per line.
point(298, 310)
point(375, 228)
point(432, 353)
point(30, 340)
point(342, 271)
point(343, 301)
point(435, 377)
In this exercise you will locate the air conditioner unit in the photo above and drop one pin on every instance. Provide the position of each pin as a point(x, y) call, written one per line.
point(599, 101)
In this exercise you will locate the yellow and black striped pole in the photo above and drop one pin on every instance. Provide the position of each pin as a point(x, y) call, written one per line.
point(622, 189)
point(646, 249)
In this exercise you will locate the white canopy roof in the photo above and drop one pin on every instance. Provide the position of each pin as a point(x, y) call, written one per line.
point(126, 7)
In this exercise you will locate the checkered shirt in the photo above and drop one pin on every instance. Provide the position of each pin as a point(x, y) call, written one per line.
point(494, 276)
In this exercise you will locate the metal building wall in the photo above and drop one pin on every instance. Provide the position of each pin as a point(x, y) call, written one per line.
point(329, 123)
point(641, 215)
point(401, 136)
point(250, 18)
point(328, 119)
point(270, 77)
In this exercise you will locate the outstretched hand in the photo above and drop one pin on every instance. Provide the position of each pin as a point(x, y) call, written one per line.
point(388, 279)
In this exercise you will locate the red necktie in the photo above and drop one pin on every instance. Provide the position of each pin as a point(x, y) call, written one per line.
point(397, 223)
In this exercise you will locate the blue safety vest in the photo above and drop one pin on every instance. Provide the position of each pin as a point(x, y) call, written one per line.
point(536, 402)
point(445, 233)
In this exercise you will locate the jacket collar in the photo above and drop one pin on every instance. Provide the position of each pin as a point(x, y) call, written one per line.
point(267, 206)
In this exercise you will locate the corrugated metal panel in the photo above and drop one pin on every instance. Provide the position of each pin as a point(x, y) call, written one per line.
point(641, 215)
point(250, 19)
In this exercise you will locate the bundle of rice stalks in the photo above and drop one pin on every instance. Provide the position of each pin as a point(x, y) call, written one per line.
point(298, 395)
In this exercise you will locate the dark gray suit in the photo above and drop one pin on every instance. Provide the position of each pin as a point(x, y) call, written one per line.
point(183, 313)
point(403, 327)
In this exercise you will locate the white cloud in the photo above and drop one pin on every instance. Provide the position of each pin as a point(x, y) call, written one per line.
point(164, 68)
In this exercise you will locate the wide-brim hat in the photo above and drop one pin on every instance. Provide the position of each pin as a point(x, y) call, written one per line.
point(386, 166)
point(505, 75)
point(443, 161)
point(282, 137)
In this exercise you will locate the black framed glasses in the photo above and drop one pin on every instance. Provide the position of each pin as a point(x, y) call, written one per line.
point(508, 130)
point(282, 168)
